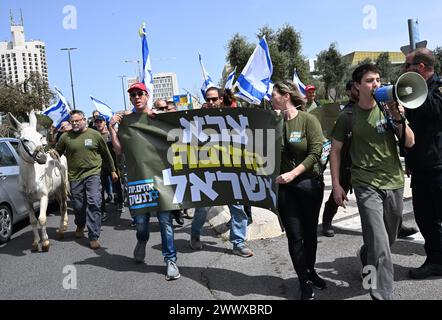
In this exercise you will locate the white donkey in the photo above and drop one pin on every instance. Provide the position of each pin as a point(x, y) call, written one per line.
point(41, 179)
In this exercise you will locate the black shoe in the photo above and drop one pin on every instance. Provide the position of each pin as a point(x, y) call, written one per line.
point(104, 216)
point(307, 292)
point(249, 221)
point(133, 224)
point(316, 280)
point(229, 223)
point(178, 217)
point(426, 270)
point(405, 232)
point(327, 230)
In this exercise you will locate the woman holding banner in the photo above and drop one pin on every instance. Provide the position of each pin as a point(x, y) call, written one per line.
point(301, 184)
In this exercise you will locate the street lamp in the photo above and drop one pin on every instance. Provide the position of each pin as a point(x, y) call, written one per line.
point(70, 71)
point(124, 91)
point(139, 68)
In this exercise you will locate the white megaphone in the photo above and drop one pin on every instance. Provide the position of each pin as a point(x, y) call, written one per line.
point(410, 91)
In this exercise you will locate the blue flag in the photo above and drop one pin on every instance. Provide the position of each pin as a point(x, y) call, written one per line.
point(58, 112)
point(103, 108)
point(254, 80)
point(147, 76)
point(229, 82)
point(298, 82)
point(208, 83)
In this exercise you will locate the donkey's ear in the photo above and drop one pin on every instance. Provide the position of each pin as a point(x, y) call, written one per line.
point(16, 125)
point(33, 120)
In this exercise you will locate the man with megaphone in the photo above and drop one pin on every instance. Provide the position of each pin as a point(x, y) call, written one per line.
point(424, 160)
point(377, 176)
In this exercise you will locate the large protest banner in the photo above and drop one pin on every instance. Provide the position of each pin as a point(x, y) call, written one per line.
point(200, 158)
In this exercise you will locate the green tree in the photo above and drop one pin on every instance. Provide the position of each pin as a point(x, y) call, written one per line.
point(20, 98)
point(386, 67)
point(332, 68)
point(285, 52)
point(438, 55)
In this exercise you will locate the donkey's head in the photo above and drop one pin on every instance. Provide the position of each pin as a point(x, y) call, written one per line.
point(32, 143)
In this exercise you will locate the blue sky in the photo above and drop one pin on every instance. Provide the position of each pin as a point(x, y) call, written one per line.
point(107, 34)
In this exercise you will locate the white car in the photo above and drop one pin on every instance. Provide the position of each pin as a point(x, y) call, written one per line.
point(12, 202)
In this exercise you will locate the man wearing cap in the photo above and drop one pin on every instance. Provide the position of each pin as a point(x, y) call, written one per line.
point(312, 103)
point(160, 105)
point(85, 151)
point(139, 97)
point(238, 227)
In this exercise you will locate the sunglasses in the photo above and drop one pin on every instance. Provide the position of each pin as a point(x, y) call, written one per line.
point(133, 94)
point(212, 99)
point(408, 65)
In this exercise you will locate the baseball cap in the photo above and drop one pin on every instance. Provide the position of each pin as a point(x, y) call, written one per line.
point(100, 117)
point(137, 85)
point(310, 87)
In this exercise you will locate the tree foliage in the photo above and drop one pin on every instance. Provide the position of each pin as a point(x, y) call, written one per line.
point(386, 67)
point(332, 68)
point(19, 99)
point(285, 51)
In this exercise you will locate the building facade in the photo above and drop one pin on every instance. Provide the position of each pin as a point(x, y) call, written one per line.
point(354, 58)
point(19, 58)
point(165, 85)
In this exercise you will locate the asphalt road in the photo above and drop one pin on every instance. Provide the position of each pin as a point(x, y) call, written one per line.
point(70, 270)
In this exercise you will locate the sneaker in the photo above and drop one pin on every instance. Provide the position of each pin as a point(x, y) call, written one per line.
point(426, 270)
point(243, 251)
point(172, 272)
point(307, 292)
point(405, 232)
point(133, 224)
point(94, 244)
point(195, 243)
point(79, 232)
point(316, 280)
point(140, 251)
point(327, 230)
point(104, 216)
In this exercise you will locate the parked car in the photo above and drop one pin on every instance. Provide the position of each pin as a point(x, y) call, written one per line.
point(12, 202)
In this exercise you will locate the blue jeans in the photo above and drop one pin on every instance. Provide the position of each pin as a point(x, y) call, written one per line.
point(86, 202)
point(166, 230)
point(238, 228)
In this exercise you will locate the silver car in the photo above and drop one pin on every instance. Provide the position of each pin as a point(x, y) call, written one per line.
point(12, 202)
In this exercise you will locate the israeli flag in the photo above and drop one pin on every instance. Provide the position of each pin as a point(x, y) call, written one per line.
point(58, 112)
point(103, 108)
point(229, 82)
point(298, 82)
point(147, 76)
point(254, 80)
point(208, 83)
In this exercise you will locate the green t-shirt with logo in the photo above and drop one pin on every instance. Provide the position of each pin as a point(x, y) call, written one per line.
point(85, 153)
point(302, 144)
point(373, 150)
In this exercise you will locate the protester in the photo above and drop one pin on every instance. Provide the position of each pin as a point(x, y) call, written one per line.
point(91, 124)
point(424, 161)
point(160, 105)
point(330, 207)
point(85, 151)
point(312, 103)
point(301, 184)
point(376, 175)
point(139, 97)
point(171, 106)
point(238, 228)
point(64, 127)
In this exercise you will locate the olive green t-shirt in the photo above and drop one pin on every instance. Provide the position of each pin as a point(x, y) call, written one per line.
point(85, 153)
point(373, 150)
point(302, 144)
point(310, 106)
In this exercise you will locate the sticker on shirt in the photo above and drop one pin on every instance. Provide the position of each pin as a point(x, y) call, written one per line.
point(381, 126)
point(295, 137)
point(88, 143)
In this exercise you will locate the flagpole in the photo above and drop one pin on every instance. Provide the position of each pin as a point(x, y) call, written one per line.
point(70, 71)
point(124, 91)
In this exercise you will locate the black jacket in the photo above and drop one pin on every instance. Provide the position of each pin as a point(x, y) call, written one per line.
point(426, 123)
